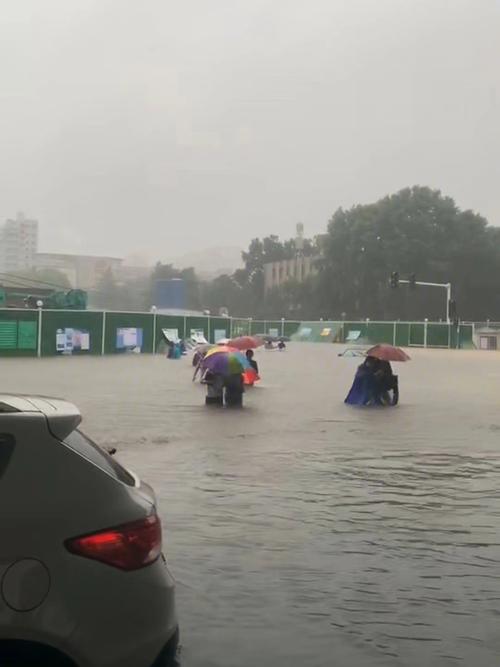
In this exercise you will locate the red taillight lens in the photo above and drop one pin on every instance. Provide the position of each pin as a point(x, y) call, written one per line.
point(128, 547)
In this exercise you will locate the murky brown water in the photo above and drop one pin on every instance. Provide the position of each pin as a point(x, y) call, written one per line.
point(303, 532)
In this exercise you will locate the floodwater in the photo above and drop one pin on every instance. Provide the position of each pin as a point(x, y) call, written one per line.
point(303, 532)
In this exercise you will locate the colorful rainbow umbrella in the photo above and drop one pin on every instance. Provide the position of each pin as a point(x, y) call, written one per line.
point(225, 361)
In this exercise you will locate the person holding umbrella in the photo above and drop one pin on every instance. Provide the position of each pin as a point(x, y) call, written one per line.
point(386, 381)
point(364, 386)
point(215, 388)
point(223, 369)
point(234, 390)
point(385, 378)
point(374, 378)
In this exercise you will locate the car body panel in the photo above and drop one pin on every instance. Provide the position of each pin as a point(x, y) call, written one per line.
point(97, 614)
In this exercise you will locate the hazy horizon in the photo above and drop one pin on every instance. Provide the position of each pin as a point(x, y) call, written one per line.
point(164, 128)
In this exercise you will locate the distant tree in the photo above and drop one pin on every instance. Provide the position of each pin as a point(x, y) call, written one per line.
point(50, 278)
point(417, 230)
point(224, 292)
point(269, 249)
point(243, 292)
point(293, 300)
point(107, 292)
point(53, 276)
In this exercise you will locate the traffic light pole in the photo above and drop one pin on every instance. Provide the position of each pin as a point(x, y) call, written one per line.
point(446, 286)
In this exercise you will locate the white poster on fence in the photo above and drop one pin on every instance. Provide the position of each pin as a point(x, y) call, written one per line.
point(219, 334)
point(198, 337)
point(71, 340)
point(171, 335)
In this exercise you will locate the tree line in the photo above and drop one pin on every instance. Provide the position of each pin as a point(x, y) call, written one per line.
point(417, 231)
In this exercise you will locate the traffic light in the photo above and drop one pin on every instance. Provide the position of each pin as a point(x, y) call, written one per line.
point(394, 279)
point(412, 281)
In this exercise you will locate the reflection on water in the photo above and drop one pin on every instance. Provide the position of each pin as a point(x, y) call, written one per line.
point(304, 532)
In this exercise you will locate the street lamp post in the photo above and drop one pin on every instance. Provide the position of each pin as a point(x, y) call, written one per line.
point(103, 333)
point(343, 315)
point(39, 305)
point(154, 311)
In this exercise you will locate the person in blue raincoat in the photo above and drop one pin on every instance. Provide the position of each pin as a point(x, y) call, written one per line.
point(364, 390)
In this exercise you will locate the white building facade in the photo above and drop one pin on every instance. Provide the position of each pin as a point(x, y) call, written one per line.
point(297, 269)
point(18, 244)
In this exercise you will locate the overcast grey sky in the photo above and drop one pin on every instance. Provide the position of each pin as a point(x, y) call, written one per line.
point(161, 127)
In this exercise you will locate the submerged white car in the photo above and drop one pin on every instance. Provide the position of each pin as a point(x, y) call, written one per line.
point(83, 580)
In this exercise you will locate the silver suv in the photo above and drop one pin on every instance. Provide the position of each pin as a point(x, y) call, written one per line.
point(83, 580)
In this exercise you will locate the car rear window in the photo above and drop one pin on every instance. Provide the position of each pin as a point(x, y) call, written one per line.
point(91, 451)
point(7, 443)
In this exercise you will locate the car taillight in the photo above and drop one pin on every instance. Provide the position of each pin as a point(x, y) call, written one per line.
point(128, 547)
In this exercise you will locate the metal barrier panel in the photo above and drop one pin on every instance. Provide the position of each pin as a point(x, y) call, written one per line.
point(461, 336)
point(18, 333)
point(220, 327)
point(417, 334)
point(175, 322)
point(438, 335)
point(128, 332)
point(273, 327)
point(241, 327)
point(71, 332)
point(81, 332)
point(402, 337)
point(318, 332)
point(257, 327)
point(467, 336)
point(197, 324)
point(307, 332)
point(291, 328)
point(355, 332)
point(380, 332)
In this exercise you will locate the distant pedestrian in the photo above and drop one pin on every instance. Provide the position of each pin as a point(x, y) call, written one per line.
point(251, 361)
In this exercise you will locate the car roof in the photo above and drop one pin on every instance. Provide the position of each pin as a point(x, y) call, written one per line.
point(62, 416)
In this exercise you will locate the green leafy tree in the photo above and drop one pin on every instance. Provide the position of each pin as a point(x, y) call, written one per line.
point(107, 292)
point(224, 292)
point(417, 230)
point(50, 278)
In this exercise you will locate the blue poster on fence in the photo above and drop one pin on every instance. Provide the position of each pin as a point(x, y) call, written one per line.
point(129, 339)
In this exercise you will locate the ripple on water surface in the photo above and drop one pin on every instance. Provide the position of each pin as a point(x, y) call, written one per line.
point(303, 532)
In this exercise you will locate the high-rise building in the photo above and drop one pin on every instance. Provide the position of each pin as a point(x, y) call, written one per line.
point(18, 244)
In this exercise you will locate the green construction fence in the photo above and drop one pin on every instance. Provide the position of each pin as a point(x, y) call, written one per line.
point(402, 334)
point(18, 333)
point(33, 333)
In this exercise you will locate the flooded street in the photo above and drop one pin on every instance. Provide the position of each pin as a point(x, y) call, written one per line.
point(303, 532)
